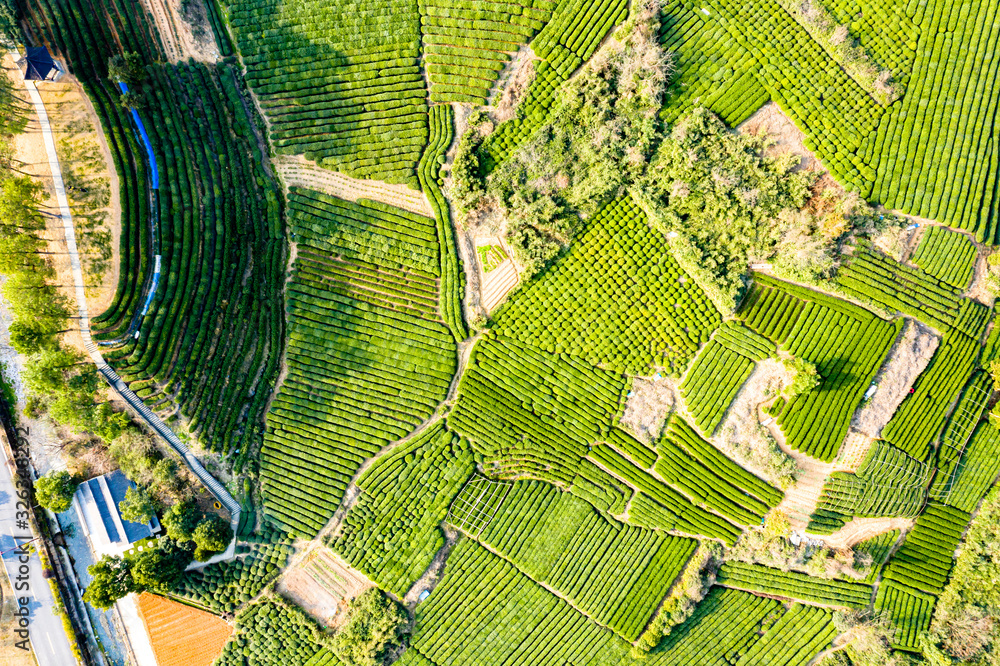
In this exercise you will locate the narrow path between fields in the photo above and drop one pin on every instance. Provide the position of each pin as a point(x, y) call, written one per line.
point(110, 376)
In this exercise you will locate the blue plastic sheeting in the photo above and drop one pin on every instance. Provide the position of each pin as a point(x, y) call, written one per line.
point(152, 287)
point(145, 140)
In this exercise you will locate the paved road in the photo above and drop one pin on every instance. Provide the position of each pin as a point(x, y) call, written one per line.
point(45, 628)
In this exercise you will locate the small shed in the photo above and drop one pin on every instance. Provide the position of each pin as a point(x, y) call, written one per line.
point(38, 65)
point(96, 503)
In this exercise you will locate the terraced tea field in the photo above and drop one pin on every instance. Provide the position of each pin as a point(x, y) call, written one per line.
point(398, 270)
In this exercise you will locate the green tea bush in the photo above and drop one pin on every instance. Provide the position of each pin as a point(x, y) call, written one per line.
point(342, 87)
point(271, 632)
point(616, 297)
point(926, 556)
point(794, 585)
point(947, 255)
point(846, 344)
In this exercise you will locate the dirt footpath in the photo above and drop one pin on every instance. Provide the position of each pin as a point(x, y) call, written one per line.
point(91, 187)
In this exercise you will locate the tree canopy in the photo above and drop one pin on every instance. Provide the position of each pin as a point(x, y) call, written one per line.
point(374, 622)
point(54, 491)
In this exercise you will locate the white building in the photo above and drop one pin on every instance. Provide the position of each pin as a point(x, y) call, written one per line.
point(96, 503)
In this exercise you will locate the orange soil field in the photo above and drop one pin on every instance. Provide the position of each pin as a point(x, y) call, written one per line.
point(181, 635)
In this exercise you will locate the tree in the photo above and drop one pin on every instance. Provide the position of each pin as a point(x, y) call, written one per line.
point(112, 581)
point(373, 623)
point(127, 68)
point(181, 519)
point(994, 368)
point(160, 569)
point(135, 453)
point(213, 534)
point(29, 337)
point(55, 491)
point(804, 376)
point(166, 476)
point(109, 424)
point(133, 100)
point(138, 505)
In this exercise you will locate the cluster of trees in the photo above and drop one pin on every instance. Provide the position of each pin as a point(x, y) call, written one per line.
point(718, 196)
point(695, 582)
point(771, 546)
point(374, 624)
point(157, 569)
point(128, 68)
point(190, 534)
point(596, 144)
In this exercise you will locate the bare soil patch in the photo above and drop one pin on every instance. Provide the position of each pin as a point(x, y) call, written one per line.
point(298, 171)
point(322, 585)
point(979, 289)
point(787, 138)
point(649, 404)
point(512, 85)
point(908, 357)
point(853, 451)
point(861, 529)
point(184, 28)
point(741, 435)
point(496, 284)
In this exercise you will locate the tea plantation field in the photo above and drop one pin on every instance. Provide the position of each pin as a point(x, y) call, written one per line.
point(615, 466)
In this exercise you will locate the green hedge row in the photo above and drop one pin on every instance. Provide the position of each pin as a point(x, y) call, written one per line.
point(271, 631)
point(701, 472)
point(338, 83)
point(366, 362)
point(798, 636)
point(947, 255)
point(662, 506)
point(530, 413)
point(452, 287)
point(919, 420)
point(926, 556)
point(909, 611)
point(845, 342)
point(711, 383)
point(794, 585)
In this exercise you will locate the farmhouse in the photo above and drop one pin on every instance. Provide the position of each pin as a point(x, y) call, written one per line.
point(96, 503)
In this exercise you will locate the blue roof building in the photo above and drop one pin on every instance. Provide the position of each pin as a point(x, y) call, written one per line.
point(96, 503)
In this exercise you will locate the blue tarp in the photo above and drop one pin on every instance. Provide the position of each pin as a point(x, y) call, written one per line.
point(145, 139)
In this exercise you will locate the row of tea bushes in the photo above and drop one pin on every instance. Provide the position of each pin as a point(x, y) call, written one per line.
point(340, 85)
point(392, 533)
point(845, 342)
point(794, 585)
point(926, 556)
point(947, 255)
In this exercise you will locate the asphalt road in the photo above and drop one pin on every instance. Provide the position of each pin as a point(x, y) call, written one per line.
point(45, 628)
